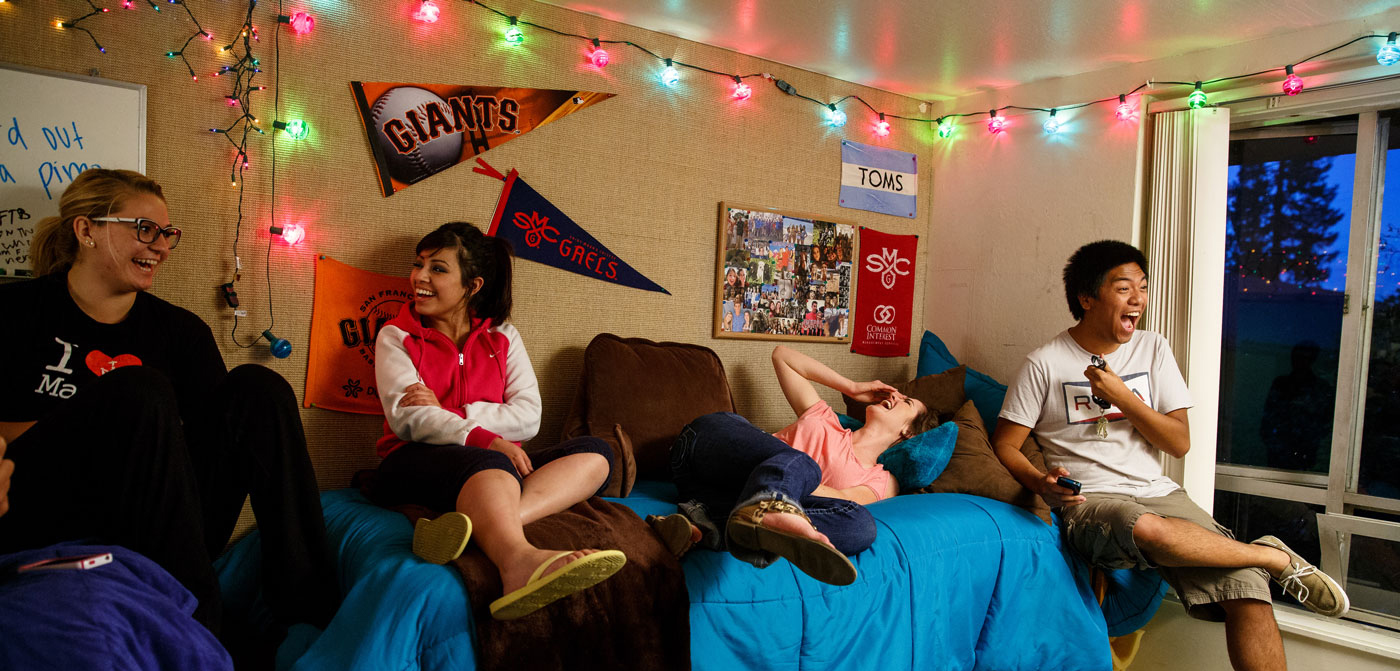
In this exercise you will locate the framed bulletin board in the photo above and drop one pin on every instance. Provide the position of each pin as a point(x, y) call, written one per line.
point(57, 125)
point(783, 275)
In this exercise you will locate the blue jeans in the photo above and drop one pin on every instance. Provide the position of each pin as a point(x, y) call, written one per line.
point(721, 462)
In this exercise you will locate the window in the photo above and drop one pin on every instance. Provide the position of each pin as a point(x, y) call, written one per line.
point(1309, 420)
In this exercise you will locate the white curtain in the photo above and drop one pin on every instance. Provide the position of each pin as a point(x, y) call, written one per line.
point(1186, 271)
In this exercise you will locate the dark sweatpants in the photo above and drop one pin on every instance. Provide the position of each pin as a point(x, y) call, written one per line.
point(115, 465)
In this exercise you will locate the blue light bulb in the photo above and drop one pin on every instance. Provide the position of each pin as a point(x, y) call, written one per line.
point(1389, 53)
point(280, 347)
point(835, 117)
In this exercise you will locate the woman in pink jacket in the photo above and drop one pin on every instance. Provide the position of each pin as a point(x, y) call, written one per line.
point(459, 397)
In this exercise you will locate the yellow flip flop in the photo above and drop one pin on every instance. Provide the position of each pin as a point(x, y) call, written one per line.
point(443, 539)
point(574, 577)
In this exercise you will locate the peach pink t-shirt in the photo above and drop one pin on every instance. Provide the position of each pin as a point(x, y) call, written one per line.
point(818, 433)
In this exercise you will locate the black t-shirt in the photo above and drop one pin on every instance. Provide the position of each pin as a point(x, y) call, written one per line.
point(52, 349)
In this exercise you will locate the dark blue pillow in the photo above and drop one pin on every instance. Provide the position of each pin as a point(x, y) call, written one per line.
point(918, 461)
point(984, 392)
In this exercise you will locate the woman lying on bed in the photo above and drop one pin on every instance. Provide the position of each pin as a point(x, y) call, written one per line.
point(459, 396)
point(798, 493)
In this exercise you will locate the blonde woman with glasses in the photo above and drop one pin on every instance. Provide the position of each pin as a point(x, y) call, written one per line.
point(126, 428)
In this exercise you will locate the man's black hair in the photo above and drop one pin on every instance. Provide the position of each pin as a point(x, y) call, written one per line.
point(1089, 266)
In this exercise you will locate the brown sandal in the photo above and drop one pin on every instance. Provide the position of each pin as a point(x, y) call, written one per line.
point(813, 557)
point(676, 532)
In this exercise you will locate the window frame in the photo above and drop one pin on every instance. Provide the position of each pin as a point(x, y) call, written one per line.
point(1335, 490)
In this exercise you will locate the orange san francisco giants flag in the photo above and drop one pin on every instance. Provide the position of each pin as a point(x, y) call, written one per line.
point(418, 130)
point(348, 308)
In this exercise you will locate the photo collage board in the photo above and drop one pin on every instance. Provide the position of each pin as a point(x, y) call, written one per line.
point(783, 275)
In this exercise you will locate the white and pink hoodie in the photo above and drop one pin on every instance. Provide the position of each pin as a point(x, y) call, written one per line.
point(487, 388)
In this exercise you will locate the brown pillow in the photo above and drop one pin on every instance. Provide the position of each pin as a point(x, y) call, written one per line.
point(624, 471)
point(637, 395)
point(975, 469)
point(942, 393)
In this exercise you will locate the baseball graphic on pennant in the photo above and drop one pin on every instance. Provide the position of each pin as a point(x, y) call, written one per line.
point(412, 145)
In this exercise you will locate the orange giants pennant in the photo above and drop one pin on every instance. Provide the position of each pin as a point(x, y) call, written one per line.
point(419, 130)
point(348, 308)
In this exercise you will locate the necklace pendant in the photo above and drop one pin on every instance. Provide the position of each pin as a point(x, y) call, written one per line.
point(1101, 427)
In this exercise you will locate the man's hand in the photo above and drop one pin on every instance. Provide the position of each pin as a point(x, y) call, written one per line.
point(1054, 495)
point(1106, 385)
point(873, 391)
point(518, 458)
point(418, 394)
point(7, 468)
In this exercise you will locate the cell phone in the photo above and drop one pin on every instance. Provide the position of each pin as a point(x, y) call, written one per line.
point(1097, 362)
point(78, 562)
point(1068, 484)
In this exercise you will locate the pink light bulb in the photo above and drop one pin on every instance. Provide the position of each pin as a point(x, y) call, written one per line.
point(427, 12)
point(1125, 111)
point(301, 22)
point(599, 57)
point(1293, 84)
point(996, 124)
point(741, 90)
point(882, 127)
point(293, 234)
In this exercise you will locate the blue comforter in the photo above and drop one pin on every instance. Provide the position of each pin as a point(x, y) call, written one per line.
point(952, 582)
point(128, 614)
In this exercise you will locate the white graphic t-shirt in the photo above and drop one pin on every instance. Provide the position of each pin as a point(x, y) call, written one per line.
point(1052, 397)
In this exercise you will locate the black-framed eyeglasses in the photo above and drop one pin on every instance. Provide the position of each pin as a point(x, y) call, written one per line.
point(147, 229)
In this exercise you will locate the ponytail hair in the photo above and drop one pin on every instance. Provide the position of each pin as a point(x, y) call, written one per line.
point(96, 192)
point(478, 255)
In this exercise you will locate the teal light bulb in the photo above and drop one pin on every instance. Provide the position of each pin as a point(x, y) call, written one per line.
point(835, 117)
point(1389, 53)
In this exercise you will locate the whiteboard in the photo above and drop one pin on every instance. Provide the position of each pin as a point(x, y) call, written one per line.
point(53, 126)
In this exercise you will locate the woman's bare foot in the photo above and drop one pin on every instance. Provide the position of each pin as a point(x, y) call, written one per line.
point(793, 524)
point(516, 572)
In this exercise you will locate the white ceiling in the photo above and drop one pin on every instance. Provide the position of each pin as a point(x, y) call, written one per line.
point(939, 49)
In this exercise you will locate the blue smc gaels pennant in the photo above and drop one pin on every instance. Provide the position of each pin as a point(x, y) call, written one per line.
point(540, 232)
point(879, 180)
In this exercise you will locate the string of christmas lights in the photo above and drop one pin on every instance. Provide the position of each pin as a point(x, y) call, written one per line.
point(429, 11)
point(1292, 84)
point(199, 31)
point(73, 23)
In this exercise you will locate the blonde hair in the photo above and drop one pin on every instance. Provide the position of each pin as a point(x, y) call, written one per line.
point(94, 193)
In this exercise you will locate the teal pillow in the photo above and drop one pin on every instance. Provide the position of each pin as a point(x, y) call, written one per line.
point(985, 393)
point(849, 422)
point(918, 461)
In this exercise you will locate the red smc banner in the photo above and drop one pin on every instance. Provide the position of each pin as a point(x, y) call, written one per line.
point(884, 293)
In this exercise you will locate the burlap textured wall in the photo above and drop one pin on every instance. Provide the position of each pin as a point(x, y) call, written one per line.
point(643, 172)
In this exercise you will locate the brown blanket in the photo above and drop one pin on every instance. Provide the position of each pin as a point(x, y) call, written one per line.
point(637, 619)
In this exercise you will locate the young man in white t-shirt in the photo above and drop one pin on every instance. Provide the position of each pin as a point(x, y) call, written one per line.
point(1105, 399)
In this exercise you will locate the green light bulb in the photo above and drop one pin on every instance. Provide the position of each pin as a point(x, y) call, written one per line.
point(1197, 99)
point(946, 128)
point(295, 128)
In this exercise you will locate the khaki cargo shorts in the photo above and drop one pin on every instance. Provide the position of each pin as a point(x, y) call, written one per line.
point(1101, 531)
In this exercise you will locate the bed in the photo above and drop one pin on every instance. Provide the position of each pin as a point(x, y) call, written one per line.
point(953, 581)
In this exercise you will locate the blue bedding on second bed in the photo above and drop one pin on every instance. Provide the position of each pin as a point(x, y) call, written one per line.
point(952, 582)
